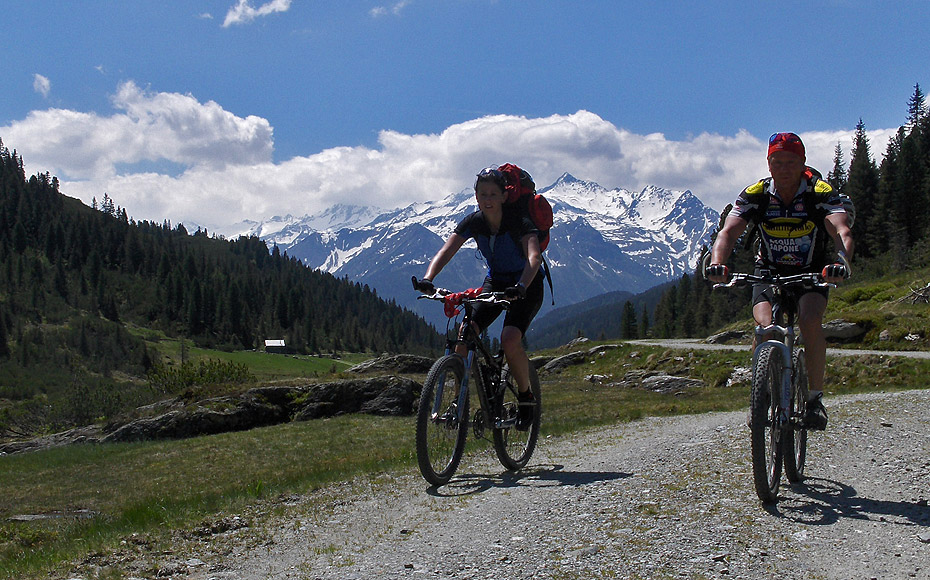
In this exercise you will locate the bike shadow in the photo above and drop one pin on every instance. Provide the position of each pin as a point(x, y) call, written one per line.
point(538, 475)
point(818, 501)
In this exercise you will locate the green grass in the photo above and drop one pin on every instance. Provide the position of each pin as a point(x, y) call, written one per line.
point(881, 304)
point(265, 366)
point(147, 487)
point(152, 488)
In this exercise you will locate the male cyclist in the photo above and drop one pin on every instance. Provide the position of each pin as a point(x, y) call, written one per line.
point(791, 208)
point(509, 242)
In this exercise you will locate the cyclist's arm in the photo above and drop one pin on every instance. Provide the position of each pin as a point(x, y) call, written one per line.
point(733, 228)
point(443, 256)
point(837, 227)
point(530, 243)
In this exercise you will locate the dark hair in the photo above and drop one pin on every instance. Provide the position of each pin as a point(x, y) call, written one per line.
point(491, 175)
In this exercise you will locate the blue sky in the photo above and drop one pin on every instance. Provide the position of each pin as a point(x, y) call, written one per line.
point(221, 110)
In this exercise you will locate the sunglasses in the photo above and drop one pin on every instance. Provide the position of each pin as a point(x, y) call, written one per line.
point(490, 173)
point(786, 137)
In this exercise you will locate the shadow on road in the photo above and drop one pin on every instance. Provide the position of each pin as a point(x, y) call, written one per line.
point(537, 475)
point(824, 502)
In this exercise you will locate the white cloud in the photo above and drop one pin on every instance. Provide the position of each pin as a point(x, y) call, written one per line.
point(395, 9)
point(243, 12)
point(149, 127)
point(221, 168)
point(41, 85)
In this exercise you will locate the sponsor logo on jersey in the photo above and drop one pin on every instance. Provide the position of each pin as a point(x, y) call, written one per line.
point(788, 228)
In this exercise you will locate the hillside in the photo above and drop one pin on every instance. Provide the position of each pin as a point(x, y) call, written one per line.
point(603, 240)
point(88, 294)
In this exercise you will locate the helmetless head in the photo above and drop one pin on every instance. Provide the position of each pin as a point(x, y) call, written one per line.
point(786, 157)
point(489, 189)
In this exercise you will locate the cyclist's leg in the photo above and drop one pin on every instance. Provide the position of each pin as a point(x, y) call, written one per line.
point(516, 323)
point(517, 359)
point(761, 309)
point(811, 308)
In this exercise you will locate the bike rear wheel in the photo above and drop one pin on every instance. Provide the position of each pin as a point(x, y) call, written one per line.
point(766, 433)
point(514, 447)
point(441, 424)
point(796, 443)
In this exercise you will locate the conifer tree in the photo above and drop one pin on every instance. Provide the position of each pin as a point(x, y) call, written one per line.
point(916, 108)
point(862, 188)
point(837, 176)
point(628, 321)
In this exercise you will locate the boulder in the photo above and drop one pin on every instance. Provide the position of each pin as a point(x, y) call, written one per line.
point(557, 364)
point(727, 336)
point(561, 362)
point(840, 330)
point(398, 363)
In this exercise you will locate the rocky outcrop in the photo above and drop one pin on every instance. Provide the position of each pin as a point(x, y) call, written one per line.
point(259, 407)
point(557, 364)
point(399, 363)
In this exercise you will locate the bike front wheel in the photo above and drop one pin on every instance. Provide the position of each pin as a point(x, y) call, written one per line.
point(515, 446)
point(442, 420)
point(765, 428)
point(796, 443)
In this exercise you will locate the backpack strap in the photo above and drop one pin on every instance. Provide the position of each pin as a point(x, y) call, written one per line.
point(545, 267)
point(758, 193)
point(814, 197)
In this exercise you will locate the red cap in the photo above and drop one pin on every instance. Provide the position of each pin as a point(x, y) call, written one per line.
point(786, 142)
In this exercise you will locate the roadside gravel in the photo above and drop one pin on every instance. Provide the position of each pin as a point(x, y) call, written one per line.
point(657, 498)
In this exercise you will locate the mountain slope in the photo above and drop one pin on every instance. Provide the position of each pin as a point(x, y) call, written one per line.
point(602, 241)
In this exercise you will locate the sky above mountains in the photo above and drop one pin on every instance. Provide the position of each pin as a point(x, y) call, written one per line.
point(217, 111)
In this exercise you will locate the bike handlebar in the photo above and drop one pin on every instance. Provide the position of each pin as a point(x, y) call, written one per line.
point(739, 279)
point(490, 297)
point(470, 295)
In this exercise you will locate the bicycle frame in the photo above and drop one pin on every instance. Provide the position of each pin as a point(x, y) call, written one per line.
point(467, 336)
point(773, 415)
point(443, 421)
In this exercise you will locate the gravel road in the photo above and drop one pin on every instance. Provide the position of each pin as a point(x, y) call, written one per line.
point(654, 499)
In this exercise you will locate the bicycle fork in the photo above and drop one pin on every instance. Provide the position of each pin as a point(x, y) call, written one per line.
point(438, 414)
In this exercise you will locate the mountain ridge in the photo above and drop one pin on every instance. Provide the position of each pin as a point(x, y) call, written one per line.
point(603, 241)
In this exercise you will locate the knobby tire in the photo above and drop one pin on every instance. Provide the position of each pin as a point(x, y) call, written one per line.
point(796, 443)
point(440, 440)
point(513, 446)
point(766, 436)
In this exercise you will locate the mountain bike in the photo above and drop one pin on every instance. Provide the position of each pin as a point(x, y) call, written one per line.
point(778, 399)
point(443, 417)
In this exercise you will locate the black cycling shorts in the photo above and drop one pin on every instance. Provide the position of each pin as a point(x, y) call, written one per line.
point(520, 313)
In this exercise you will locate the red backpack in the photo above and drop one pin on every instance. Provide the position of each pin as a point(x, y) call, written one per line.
point(522, 190)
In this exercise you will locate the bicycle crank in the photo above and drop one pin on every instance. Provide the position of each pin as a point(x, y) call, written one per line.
point(478, 424)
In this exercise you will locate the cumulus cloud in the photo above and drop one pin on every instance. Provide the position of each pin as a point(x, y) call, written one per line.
point(244, 12)
point(220, 168)
point(147, 127)
point(41, 85)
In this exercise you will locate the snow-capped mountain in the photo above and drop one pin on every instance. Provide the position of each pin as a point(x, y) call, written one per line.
point(602, 241)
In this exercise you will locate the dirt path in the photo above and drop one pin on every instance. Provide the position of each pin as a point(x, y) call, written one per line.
point(700, 344)
point(658, 498)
